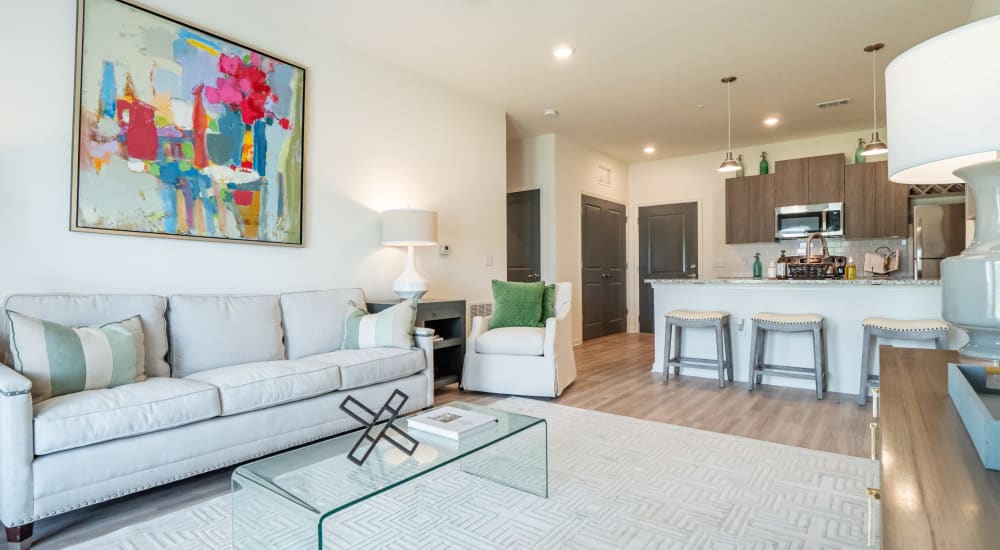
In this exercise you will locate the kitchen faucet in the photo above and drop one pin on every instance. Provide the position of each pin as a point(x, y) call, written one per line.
point(809, 254)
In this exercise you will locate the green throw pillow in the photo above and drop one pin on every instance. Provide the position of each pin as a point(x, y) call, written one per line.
point(60, 360)
point(389, 328)
point(516, 304)
point(548, 303)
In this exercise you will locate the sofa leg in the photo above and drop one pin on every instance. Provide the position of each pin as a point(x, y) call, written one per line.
point(19, 538)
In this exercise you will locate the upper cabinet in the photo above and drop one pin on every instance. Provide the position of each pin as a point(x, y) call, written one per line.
point(750, 209)
point(874, 207)
point(810, 180)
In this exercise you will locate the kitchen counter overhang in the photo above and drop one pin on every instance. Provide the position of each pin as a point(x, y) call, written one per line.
point(843, 304)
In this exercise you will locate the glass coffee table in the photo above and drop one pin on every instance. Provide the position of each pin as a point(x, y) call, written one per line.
point(284, 501)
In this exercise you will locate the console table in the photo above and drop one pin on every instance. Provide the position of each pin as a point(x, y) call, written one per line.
point(447, 318)
point(935, 492)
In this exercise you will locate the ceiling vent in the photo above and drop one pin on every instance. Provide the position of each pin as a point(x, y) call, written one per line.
point(833, 103)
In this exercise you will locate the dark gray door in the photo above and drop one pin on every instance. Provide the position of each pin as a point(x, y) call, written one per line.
point(668, 249)
point(603, 258)
point(524, 239)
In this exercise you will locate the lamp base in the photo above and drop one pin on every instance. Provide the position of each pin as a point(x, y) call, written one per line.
point(971, 290)
point(409, 284)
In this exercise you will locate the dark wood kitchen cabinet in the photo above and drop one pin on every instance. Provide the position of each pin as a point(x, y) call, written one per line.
point(811, 180)
point(874, 207)
point(750, 209)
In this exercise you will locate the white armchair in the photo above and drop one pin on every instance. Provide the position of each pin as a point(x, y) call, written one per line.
point(528, 361)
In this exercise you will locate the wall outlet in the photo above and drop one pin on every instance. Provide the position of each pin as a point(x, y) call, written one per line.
point(445, 249)
point(488, 260)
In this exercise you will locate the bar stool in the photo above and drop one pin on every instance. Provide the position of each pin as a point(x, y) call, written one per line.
point(778, 322)
point(897, 329)
point(681, 319)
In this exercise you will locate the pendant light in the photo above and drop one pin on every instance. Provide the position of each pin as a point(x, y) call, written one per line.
point(876, 146)
point(729, 165)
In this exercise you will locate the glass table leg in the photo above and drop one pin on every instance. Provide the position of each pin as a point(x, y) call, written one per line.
point(520, 461)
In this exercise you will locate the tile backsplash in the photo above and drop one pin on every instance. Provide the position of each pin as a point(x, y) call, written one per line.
point(737, 260)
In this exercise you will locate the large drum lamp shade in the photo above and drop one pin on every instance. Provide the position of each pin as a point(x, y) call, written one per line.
point(943, 104)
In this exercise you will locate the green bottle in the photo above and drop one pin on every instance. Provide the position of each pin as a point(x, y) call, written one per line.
point(739, 173)
point(763, 164)
point(858, 157)
point(758, 270)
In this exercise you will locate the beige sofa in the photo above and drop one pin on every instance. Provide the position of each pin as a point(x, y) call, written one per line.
point(229, 378)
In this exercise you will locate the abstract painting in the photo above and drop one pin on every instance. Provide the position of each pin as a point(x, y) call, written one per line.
point(184, 134)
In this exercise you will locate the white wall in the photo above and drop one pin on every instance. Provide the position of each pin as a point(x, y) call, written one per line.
point(563, 171)
point(695, 179)
point(377, 137)
point(576, 175)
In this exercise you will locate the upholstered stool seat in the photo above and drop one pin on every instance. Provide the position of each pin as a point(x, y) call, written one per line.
point(680, 319)
point(905, 325)
point(764, 323)
point(786, 319)
point(688, 315)
point(897, 329)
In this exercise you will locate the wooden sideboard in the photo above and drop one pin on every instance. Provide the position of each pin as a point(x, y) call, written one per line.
point(935, 492)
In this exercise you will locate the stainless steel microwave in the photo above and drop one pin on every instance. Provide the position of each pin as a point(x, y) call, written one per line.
point(796, 222)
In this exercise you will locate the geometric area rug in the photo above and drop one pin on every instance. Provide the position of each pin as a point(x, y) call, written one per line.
point(614, 483)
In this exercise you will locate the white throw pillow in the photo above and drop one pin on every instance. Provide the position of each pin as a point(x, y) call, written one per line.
point(389, 328)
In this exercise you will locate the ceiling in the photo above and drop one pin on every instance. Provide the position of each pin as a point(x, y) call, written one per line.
point(643, 67)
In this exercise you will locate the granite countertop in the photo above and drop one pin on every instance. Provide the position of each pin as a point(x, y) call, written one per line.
point(750, 281)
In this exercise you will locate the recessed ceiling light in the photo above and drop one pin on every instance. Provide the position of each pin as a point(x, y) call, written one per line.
point(649, 149)
point(562, 52)
point(771, 121)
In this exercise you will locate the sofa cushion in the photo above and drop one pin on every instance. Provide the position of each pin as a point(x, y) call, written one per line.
point(254, 386)
point(60, 360)
point(363, 367)
point(92, 416)
point(314, 321)
point(208, 332)
point(98, 309)
point(512, 341)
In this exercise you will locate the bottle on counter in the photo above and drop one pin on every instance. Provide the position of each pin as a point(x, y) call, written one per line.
point(858, 157)
point(758, 269)
point(739, 159)
point(764, 168)
point(782, 267)
point(772, 271)
point(851, 270)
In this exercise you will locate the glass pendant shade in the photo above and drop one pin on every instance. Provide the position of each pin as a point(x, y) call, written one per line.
point(876, 147)
point(729, 165)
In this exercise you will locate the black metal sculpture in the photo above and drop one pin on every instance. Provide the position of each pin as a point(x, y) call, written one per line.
point(384, 429)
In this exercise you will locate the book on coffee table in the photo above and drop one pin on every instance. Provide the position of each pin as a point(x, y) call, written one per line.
point(450, 422)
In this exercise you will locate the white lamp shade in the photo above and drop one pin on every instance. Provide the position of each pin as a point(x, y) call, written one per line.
point(409, 227)
point(943, 104)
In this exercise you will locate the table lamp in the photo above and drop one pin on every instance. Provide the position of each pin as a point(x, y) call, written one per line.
point(943, 116)
point(409, 228)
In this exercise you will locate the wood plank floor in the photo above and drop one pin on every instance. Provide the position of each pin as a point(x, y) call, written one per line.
point(614, 377)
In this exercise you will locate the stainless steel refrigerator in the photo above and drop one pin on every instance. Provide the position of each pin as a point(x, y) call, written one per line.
point(938, 233)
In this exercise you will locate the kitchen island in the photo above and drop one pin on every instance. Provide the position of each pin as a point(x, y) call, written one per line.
point(843, 304)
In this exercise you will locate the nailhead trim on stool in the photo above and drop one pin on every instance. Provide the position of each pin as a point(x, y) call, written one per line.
point(689, 315)
point(786, 319)
point(916, 325)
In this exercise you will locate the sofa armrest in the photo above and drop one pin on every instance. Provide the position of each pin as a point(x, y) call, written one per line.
point(479, 326)
point(424, 338)
point(17, 447)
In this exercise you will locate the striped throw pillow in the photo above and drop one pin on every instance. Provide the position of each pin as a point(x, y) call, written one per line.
point(60, 360)
point(389, 328)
